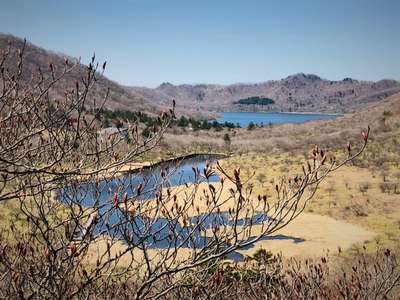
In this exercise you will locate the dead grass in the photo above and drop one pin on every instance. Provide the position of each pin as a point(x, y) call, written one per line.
point(297, 138)
point(352, 194)
point(365, 193)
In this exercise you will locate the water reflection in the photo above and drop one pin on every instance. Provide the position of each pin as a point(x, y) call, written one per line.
point(156, 233)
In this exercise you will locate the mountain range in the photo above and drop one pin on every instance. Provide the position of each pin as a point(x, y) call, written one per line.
point(300, 92)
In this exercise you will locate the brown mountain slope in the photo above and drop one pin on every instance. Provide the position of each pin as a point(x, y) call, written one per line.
point(382, 116)
point(35, 57)
point(300, 92)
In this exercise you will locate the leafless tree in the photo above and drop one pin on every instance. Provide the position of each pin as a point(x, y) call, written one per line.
point(90, 233)
point(370, 276)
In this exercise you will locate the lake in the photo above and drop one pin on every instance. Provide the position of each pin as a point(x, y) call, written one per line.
point(266, 118)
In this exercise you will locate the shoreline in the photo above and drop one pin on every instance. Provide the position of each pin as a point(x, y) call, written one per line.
point(136, 167)
point(287, 112)
point(311, 113)
point(279, 112)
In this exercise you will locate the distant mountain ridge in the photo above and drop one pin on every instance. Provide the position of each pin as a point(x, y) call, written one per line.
point(299, 92)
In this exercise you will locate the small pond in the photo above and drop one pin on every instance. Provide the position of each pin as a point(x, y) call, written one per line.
point(179, 172)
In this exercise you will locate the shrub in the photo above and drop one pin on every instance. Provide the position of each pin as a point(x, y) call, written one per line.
point(364, 187)
point(251, 126)
point(227, 140)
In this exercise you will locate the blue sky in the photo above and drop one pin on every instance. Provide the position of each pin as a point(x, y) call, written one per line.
point(147, 42)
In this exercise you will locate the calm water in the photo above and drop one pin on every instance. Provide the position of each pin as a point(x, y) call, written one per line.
point(261, 118)
point(188, 170)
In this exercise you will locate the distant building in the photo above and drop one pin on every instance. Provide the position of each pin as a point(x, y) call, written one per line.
point(111, 131)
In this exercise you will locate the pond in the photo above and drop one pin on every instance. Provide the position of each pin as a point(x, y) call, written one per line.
point(178, 172)
point(267, 118)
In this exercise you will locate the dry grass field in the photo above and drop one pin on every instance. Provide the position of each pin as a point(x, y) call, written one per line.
point(365, 194)
point(352, 197)
point(359, 205)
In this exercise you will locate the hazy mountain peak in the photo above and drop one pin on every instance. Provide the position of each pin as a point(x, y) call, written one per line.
point(297, 92)
point(165, 85)
point(349, 80)
point(303, 77)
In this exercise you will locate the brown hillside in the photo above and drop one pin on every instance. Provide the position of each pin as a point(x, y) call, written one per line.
point(300, 92)
point(36, 57)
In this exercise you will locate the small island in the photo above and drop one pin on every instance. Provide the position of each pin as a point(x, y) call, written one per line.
point(256, 100)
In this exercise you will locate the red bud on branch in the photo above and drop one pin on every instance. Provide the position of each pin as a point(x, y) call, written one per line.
point(365, 135)
point(125, 199)
point(140, 189)
point(46, 253)
point(236, 172)
point(116, 202)
point(72, 248)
